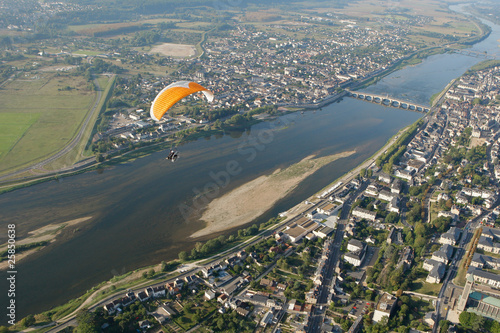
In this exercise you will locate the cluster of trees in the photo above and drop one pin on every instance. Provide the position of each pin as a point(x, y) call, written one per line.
point(90, 15)
point(6, 71)
point(230, 322)
point(363, 230)
point(445, 204)
point(126, 89)
point(103, 146)
point(345, 323)
point(409, 314)
point(145, 38)
point(366, 173)
point(414, 214)
point(23, 247)
point(261, 249)
point(201, 250)
point(297, 290)
point(5, 42)
point(270, 109)
point(394, 152)
point(477, 323)
point(366, 203)
point(419, 237)
point(213, 246)
point(98, 66)
point(299, 265)
point(476, 154)
point(355, 291)
point(433, 34)
point(464, 138)
point(221, 113)
point(384, 272)
point(442, 223)
point(11, 56)
point(127, 321)
point(294, 265)
point(473, 170)
point(240, 121)
point(392, 218)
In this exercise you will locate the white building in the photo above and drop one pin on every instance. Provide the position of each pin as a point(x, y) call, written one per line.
point(385, 307)
point(364, 214)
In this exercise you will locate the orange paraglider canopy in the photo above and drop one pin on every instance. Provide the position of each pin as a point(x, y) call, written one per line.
point(174, 93)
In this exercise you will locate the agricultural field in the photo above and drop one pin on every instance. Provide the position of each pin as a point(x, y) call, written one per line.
point(106, 29)
point(376, 14)
point(40, 114)
point(12, 128)
point(174, 50)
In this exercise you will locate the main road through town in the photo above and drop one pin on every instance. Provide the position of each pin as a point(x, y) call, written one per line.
point(316, 319)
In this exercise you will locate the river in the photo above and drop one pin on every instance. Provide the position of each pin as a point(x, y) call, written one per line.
point(134, 206)
point(419, 82)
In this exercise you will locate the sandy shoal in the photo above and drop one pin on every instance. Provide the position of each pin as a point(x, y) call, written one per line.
point(250, 200)
point(46, 233)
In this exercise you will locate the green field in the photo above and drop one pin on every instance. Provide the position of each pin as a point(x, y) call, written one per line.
point(12, 128)
point(423, 287)
point(39, 116)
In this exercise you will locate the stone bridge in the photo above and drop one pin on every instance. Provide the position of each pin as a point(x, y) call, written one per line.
point(388, 101)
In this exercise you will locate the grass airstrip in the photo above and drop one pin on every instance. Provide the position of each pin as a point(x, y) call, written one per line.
point(40, 114)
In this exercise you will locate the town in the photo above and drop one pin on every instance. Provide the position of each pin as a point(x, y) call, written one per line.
point(409, 243)
point(251, 72)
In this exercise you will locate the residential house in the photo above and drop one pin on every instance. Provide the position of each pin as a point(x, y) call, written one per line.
point(451, 236)
point(364, 214)
point(436, 274)
point(385, 307)
point(484, 277)
point(444, 254)
point(209, 294)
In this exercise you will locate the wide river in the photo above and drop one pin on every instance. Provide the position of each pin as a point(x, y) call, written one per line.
point(136, 220)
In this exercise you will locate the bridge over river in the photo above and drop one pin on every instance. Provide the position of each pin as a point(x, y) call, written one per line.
point(388, 101)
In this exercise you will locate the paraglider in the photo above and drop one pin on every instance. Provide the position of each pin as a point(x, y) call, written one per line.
point(173, 155)
point(174, 93)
